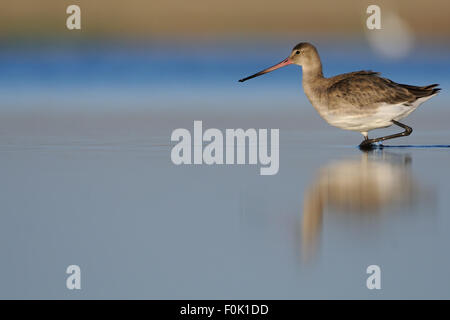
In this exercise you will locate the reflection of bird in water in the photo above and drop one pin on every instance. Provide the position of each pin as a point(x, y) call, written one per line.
point(365, 186)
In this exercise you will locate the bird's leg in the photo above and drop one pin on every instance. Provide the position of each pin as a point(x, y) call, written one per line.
point(367, 143)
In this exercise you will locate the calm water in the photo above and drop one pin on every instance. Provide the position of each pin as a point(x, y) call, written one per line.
point(87, 179)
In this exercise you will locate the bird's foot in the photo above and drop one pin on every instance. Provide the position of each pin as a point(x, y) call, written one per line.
point(370, 145)
point(366, 145)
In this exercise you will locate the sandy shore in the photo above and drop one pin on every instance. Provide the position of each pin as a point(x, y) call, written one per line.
point(216, 18)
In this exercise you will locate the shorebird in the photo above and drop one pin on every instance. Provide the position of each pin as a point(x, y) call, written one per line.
point(360, 101)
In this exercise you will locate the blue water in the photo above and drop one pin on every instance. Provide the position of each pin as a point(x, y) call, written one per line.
point(126, 75)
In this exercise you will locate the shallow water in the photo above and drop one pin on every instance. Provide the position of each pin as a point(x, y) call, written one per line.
point(141, 227)
point(87, 179)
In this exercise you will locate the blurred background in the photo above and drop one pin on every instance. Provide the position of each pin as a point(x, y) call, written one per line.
point(85, 123)
point(141, 57)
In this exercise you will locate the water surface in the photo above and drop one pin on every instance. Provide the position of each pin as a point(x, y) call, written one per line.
point(87, 179)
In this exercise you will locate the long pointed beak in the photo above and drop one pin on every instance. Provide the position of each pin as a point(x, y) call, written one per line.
point(283, 63)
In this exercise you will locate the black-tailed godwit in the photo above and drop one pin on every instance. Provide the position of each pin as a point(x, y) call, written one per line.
point(359, 101)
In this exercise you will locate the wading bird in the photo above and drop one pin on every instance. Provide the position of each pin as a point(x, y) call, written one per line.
point(359, 101)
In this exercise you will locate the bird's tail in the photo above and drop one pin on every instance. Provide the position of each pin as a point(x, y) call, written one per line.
point(424, 91)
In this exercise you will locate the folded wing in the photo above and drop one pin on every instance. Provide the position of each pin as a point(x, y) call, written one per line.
point(366, 89)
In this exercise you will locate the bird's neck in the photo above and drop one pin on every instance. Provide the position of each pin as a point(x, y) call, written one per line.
point(312, 72)
point(313, 81)
point(312, 77)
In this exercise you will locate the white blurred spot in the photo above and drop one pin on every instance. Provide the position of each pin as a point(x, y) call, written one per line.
point(394, 40)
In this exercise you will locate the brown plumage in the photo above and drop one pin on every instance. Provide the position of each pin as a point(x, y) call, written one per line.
point(367, 88)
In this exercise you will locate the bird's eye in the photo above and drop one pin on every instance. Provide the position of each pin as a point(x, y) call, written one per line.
point(297, 52)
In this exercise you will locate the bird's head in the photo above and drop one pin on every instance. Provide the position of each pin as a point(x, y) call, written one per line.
point(304, 54)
